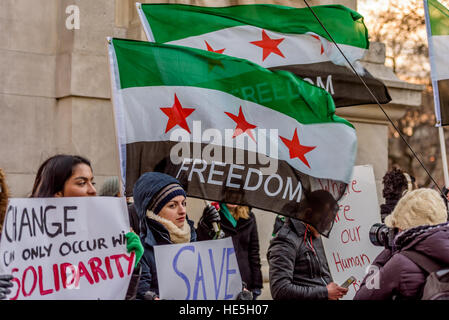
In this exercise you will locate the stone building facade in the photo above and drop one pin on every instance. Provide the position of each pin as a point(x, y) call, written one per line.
point(55, 94)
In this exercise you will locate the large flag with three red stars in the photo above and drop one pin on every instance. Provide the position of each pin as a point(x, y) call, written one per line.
point(186, 112)
point(275, 37)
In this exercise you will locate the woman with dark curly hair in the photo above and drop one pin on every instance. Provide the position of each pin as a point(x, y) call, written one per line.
point(396, 182)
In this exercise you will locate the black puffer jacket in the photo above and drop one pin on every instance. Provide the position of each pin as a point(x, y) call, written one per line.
point(246, 244)
point(298, 268)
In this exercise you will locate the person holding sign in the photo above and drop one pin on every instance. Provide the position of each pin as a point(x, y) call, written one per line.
point(160, 203)
point(239, 223)
point(72, 176)
point(422, 243)
point(296, 258)
point(5, 279)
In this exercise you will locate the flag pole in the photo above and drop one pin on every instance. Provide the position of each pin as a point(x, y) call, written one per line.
point(436, 96)
point(114, 99)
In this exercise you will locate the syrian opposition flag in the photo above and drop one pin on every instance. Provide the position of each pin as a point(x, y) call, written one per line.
point(437, 23)
point(275, 37)
point(187, 112)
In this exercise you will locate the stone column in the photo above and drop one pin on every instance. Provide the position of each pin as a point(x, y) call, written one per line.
point(28, 43)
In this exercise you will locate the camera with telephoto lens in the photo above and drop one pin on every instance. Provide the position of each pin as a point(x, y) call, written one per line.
point(382, 236)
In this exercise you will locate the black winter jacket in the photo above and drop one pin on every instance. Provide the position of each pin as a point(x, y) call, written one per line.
point(246, 244)
point(298, 269)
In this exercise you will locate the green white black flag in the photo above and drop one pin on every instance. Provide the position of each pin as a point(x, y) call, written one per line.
point(189, 113)
point(275, 37)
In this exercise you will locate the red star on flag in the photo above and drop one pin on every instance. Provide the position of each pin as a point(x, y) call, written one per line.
point(318, 38)
point(177, 115)
point(243, 126)
point(269, 45)
point(209, 48)
point(296, 149)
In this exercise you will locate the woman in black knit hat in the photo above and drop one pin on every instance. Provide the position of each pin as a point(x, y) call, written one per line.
point(160, 202)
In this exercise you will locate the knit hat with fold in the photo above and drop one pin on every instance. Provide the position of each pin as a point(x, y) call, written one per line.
point(419, 207)
point(153, 190)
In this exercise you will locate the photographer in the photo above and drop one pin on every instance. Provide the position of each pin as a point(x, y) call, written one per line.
point(420, 218)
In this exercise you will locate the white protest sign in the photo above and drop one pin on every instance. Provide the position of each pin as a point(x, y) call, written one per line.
point(349, 251)
point(66, 248)
point(204, 270)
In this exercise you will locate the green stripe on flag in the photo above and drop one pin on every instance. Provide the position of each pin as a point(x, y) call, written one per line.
point(439, 18)
point(194, 20)
point(142, 64)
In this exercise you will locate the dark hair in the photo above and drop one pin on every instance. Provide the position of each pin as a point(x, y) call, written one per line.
point(317, 200)
point(53, 173)
point(395, 183)
point(319, 216)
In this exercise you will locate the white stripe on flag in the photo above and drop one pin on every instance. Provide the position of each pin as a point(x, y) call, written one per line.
point(440, 56)
point(297, 48)
point(144, 121)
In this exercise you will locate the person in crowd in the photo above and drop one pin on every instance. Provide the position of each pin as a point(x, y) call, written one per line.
point(396, 182)
point(420, 218)
point(160, 202)
point(64, 176)
point(239, 223)
point(5, 279)
point(296, 258)
point(72, 176)
point(111, 188)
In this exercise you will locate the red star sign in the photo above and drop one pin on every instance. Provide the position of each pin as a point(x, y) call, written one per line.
point(318, 38)
point(269, 45)
point(177, 115)
point(243, 126)
point(296, 149)
point(209, 48)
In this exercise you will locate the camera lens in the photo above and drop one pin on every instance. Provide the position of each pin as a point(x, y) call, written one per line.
point(375, 234)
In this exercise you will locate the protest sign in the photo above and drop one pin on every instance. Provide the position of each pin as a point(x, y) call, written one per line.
point(349, 251)
point(66, 248)
point(204, 270)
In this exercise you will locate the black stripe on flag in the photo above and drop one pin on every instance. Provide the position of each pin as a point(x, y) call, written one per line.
point(443, 91)
point(344, 86)
point(279, 191)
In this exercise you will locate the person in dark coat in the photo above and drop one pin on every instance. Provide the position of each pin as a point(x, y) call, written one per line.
point(421, 218)
point(160, 203)
point(296, 258)
point(239, 223)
